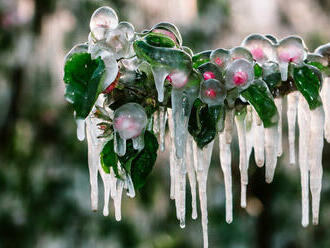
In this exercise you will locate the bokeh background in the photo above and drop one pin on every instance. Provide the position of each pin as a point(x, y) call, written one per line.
point(44, 187)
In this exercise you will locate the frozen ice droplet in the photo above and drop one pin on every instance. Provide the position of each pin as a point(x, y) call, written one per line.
point(213, 92)
point(290, 49)
point(80, 129)
point(260, 47)
point(240, 73)
point(104, 17)
point(130, 121)
point(159, 73)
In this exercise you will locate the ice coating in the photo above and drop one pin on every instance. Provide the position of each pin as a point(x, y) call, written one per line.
point(240, 53)
point(79, 48)
point(290, 49)
point(243, 159)
point(260, 47)
point(103, 17)
point(225, 161)
point(292, 100)
point(130, 121)
point(279, 104)
point(325, 95)
point(117, 42)
point(240, 73)
point(220, 57)
point(213, 92)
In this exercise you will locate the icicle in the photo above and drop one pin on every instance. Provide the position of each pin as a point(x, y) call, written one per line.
point(284, 70)
point(162, 126)
point(160, 73)
point(94, 148)
point(271, 141)
point(80, 129)
point(119, 144)
point(243, 162)
point(191, 175)
point(156, 122)
point(117, 199)
point(225, 161)
point(304, 135)
point(172, 154)
point(315, 159)
point(325, 94)
point(129, 186)
point(259, 140)
point(249, 132)
point(229, 125)
point(106, 178)
point(291, 115)
point(206, 155)
point(279, 106)
point(138, 142)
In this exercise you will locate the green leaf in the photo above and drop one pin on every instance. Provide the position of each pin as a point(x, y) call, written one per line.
point(159, 40)
point(259, 96)
point(308, 83)
point(257, 71)
point(82, 76)
point(109, 158)
point(204, 122)
point(138, 164)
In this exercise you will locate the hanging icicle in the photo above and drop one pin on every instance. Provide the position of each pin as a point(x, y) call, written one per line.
point(292, 100)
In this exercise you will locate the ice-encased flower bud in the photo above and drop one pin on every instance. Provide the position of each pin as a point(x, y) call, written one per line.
point(290, 49)
point(213, 92)
point(210, 70)
point(103, 17)
point(240, 53)
point(169, 30)
point(130, 120)
point(240, 73)
point(260, 47)
point(220, 57)
point(178, 78)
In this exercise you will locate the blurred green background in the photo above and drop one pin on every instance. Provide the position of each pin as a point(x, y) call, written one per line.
point(44, 187)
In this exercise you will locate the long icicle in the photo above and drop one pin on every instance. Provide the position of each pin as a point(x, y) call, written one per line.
point(172, 154)
point(315, 159)
point(243, 162)
point(191, 176)
point(292, 103)
point(259, 140)
point(162, 126)
point(225, 161)
point(279, 105)
point(325, 94)
point(206, 155)
point(271, 141)
point(304, 135)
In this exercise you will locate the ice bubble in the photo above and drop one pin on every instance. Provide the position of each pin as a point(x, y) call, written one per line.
point(104, 17)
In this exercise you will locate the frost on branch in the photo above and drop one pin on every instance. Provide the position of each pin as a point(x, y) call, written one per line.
point(126, 87)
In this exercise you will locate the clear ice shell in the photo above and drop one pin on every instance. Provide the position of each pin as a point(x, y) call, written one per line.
point(240, 73)
point(240, 53)
point(220, 57)
point(127, 29)
point(104, 17)
point(260, 47)
point(290, 49)
point(213, 92)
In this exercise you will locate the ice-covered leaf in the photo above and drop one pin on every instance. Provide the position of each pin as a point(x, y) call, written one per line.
point(159, 40)
point(203, 122)
point(200, 58)
point(109, 158)
point(82, 76)
point(169, 30)
point(259, 96)
point(271, 75)
point(308, 83)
